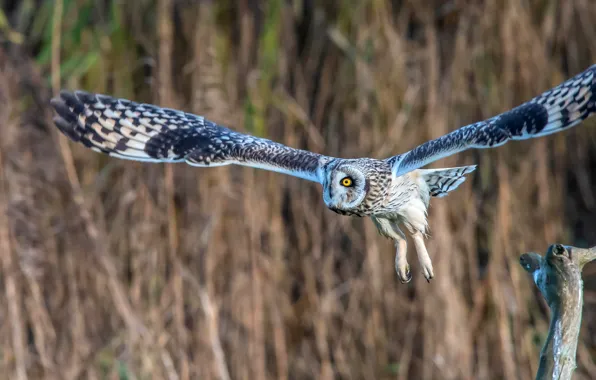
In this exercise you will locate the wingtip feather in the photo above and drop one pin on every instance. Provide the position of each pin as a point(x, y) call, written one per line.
point(66, 128)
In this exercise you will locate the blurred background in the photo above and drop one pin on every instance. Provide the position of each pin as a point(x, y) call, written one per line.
point(112, 269)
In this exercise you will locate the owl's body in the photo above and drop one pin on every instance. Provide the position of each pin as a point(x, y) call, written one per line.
point(390, 201)
point(392, 191)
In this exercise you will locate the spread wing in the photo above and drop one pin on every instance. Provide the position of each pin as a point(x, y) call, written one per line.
point(553, 111)
point(144, 132)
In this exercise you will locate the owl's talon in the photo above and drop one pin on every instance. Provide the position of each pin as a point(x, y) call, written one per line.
point(404, 274)
point(428, 273)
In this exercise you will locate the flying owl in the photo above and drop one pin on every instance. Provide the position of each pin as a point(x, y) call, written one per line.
point(393, 192)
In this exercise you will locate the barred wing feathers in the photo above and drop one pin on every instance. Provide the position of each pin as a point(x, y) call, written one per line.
point(555, 110)
point(145, 132)
point(442, 181)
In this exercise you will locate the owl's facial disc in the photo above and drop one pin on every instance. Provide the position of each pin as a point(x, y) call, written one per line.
point(345, 188)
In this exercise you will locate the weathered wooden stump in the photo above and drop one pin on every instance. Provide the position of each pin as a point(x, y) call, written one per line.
point(558, 276)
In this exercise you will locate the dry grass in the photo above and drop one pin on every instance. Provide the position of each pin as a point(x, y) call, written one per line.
point(114, 269)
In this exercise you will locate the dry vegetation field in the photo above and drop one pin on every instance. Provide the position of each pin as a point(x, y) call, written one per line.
point(111, 269)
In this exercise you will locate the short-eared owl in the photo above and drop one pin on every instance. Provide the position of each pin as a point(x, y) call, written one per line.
point(390, 191)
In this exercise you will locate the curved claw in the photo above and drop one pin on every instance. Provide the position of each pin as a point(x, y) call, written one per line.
point(404, 274)
point(428, 272)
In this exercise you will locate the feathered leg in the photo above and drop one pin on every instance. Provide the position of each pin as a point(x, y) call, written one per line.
point(423, 257)
point(401, 261)
point(402, 268)
point(390, 229)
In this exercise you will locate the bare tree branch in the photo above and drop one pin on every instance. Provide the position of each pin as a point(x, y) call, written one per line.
point(558, 276)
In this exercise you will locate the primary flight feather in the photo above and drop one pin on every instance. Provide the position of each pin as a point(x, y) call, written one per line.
point(390, 191)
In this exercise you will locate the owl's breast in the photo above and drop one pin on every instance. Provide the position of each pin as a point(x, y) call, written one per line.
point(377, 187)
point(396, 195)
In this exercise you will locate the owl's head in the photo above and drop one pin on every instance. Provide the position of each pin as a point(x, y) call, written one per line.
point(345, 187)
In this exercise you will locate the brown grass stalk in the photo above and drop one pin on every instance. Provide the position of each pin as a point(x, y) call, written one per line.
point(123, 269)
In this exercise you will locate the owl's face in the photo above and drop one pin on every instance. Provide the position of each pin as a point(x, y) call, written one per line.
point(345, 188)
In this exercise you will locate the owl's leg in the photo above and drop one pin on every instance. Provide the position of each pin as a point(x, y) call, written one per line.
point(423, 257)
point(390, 229)
point(401, 261)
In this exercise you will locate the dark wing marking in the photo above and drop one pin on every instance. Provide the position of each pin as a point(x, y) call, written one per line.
point(553, 111)
point(442, 181)
point(144, 132)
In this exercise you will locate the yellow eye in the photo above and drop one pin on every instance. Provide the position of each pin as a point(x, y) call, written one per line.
point(347, 182)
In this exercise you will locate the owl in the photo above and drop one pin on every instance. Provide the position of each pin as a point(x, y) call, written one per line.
point(393, 192)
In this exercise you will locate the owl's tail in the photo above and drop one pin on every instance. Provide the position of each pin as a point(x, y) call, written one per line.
point(442, 181)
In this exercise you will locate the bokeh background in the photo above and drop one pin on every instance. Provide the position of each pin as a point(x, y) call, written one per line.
point(113, 269)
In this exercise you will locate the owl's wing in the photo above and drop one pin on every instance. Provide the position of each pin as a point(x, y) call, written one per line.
point(555, 110)
point(144, 132)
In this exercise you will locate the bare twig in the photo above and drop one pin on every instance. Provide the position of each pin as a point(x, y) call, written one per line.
point(558, 276)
